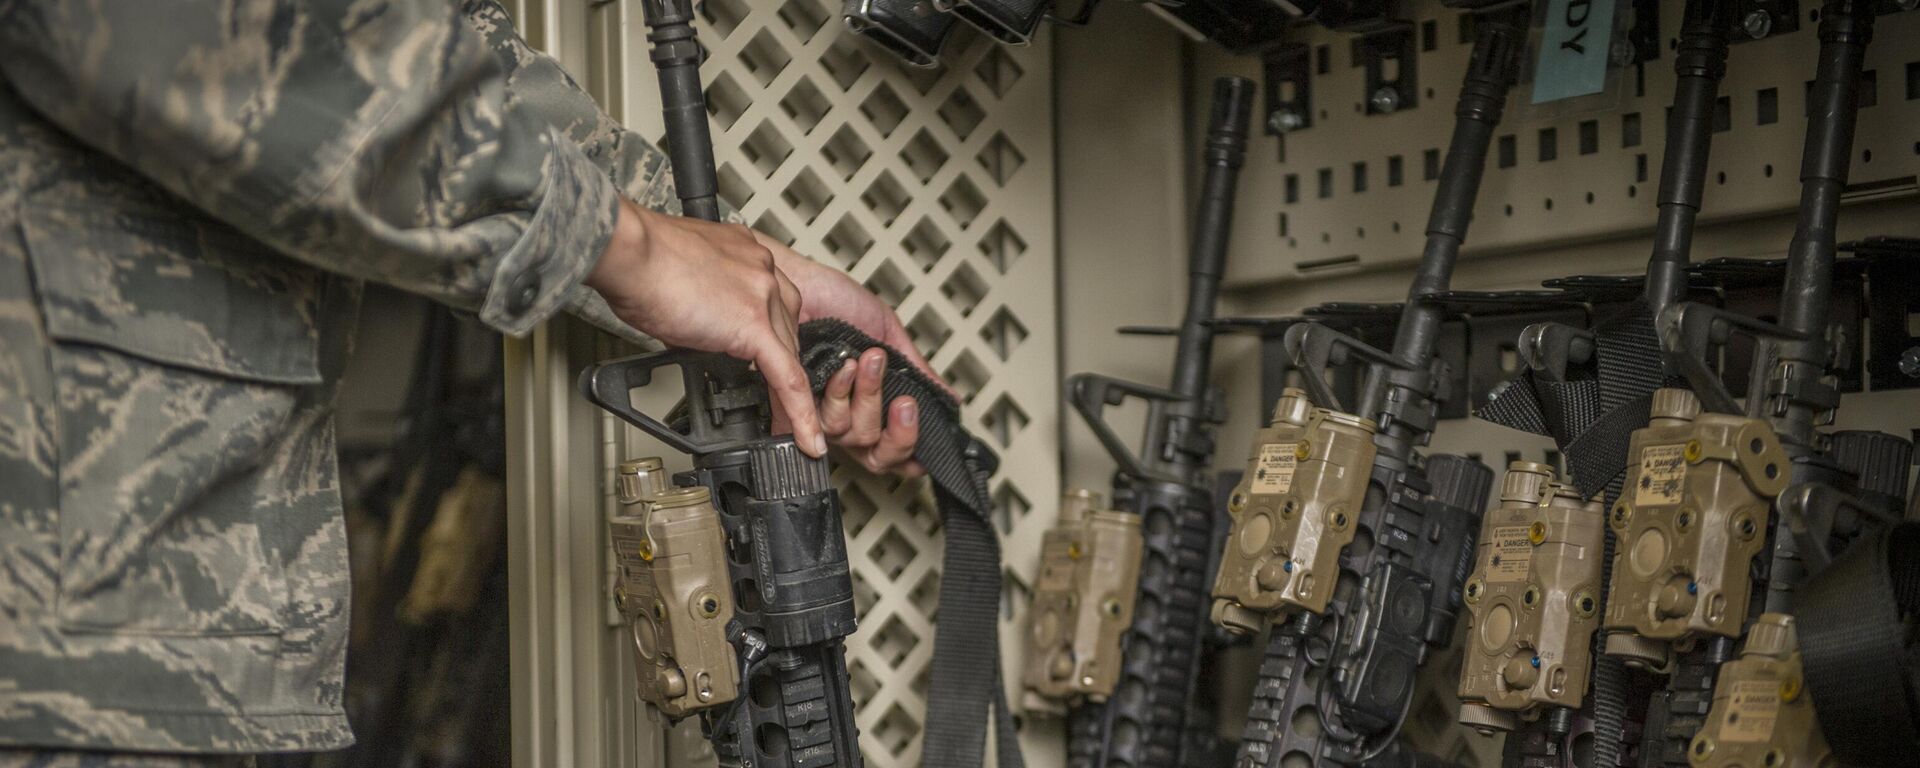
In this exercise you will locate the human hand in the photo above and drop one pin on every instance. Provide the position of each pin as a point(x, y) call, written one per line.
point(851, 409)
point(714, 288)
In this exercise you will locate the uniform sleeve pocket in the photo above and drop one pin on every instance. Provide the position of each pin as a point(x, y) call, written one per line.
point(185, 365)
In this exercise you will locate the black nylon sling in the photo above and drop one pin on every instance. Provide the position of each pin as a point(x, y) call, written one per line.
point(1592, 415)
point(1853, 619)
point(961, 695)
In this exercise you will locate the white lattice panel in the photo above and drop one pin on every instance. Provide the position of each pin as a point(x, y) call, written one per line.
point(935, 189)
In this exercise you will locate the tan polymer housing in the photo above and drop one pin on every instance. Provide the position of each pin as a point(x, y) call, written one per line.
point(673, 588)
point(1293, 512)
point(1762, 715)
point(1533, 601)
point(1691, 517)
point(1082, 604)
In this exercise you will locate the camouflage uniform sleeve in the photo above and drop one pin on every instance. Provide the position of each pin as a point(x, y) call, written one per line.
point(372, 138)
point(635, 165)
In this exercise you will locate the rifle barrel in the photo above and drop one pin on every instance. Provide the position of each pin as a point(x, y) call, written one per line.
point(1699, 64)
point(676, 57)
point(1226, 151)
point(1845, 28)
point(1483, 95)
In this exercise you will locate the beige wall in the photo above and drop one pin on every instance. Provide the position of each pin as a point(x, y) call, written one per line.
point(1122, 160)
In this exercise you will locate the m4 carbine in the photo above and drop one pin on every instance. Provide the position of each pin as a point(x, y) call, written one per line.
point(1345, 538)
point(763, 608)
point(1132, 674)
point(1789, 393)
point(1589, 389)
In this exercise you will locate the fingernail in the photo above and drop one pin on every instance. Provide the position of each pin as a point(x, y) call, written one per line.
point(819, 445)
point(910, 413)
point(846, 369)
point(874, 363)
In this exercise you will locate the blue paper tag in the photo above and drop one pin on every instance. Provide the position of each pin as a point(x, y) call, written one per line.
point(1573, 50)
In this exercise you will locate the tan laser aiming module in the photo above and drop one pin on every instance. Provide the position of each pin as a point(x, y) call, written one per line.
point(1292, 512)
point(1691, 517)
point(1762, 715)
point(1533, 601)
point(1082, 604)
point(674, 591)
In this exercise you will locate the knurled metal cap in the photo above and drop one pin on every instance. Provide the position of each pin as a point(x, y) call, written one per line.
point(1481, 717)
point(1772, 635)
point(1351, 420)
point(642, 464)
point(1639, 651)
point(688, 496)
point(1076, 503)
point(1292, 407)
point(640, 478)
point(1526, 482)
point(1674, 403)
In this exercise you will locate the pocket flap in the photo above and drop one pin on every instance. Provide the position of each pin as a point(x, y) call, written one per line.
point(175, 289)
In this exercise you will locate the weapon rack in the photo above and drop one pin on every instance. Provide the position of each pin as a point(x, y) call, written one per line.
point(1019, 204)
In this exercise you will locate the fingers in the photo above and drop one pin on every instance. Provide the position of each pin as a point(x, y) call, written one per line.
point(898, 339)
point(836, 408)
point(893, 452)
point(896, 441)
point(792, 396)
point(865, 429)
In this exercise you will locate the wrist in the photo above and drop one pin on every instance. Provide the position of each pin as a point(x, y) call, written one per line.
point(796, 265)
point(627, 249)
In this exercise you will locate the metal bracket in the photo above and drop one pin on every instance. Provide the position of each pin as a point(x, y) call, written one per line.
point(1893, 301)
point(1644, 35)
point(1388, 56)
point(1287, 75)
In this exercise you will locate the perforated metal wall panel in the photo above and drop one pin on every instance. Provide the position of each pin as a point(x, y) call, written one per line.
point(1352, 191)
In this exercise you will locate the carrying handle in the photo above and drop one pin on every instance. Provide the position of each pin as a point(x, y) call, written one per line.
point(1093, 393)
point(1316, 348)
point(715, 397)
point(1690, 333)
point(1810, 509)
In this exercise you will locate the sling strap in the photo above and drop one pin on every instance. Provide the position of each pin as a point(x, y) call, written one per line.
point(965, 687)
point(1591, 415)
point(1853, 620)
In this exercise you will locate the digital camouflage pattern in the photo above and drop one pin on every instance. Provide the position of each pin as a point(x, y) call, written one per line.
point(190, 196)
point(75, 759)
